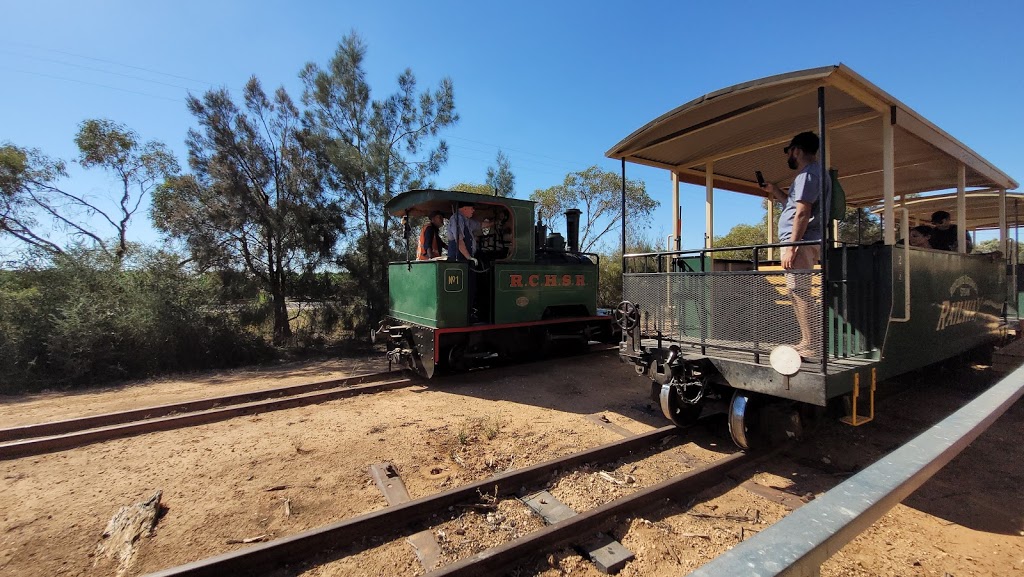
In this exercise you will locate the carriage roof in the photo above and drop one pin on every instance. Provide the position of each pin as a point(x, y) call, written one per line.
point(982, 208)
point(421, 202)
point(743, 128)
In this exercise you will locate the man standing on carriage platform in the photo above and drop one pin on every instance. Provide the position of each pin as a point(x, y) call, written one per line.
point(801, 221)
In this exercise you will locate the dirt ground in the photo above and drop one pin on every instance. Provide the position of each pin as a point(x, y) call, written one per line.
point(230, 481)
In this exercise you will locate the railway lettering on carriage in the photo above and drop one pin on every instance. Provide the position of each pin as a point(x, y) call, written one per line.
point(546, 280)
point(961, 306)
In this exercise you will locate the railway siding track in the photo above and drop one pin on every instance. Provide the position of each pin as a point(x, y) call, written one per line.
point(52, 436)
point(60, 435)
point(266, 557)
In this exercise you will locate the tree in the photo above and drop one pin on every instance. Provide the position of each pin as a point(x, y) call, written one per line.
point(600, 194)
point(994, 245)
point(370, 149)
point(138, 168)
point(28, 187)
point(255, 199)
point(474, 188)
point(26, 178)
point(500, 178)
point(860, 226)
point(851, 230)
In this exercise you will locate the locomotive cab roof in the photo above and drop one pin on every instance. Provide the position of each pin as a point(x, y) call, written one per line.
point(421, 202)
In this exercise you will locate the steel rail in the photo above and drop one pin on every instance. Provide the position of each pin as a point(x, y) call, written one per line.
point(797, 545)
point(70, 433)
point(116, 418)
point(505, 556)
point(35, 446)
point(266, 557)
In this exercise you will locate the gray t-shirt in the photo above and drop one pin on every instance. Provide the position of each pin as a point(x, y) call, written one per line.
point(459, 225)
point(805, 188)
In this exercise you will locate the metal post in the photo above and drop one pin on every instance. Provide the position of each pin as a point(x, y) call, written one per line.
point(623, 216)
point(709, 207)
point(888, 179)
point(1003, 247)
point(961, 209)
point(675, 210)
point(825, 230)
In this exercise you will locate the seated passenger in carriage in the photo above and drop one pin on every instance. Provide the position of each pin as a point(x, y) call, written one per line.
point(920, 236)
point(944, 233)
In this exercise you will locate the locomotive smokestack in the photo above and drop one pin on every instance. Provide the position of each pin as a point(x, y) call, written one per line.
point(572, 226)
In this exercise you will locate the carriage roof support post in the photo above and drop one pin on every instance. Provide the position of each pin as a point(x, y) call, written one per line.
point(676, 240)
point(825, 229)
point(1002, 249)
point(1002, 222)
point(623, 215)
point(961, 209)
point(709, 208)
point(888, 179)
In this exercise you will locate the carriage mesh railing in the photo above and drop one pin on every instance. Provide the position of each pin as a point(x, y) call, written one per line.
point(749, 310)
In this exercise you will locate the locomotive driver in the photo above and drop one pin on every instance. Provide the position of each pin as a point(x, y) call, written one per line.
point(801, 221)
point(462, 230)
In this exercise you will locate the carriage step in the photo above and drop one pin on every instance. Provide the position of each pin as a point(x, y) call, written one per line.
point(854, 418)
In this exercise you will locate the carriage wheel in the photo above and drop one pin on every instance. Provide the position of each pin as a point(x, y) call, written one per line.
point(677, 410)
point(743, 420)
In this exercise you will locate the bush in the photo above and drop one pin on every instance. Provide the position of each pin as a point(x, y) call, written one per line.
point(85, 319)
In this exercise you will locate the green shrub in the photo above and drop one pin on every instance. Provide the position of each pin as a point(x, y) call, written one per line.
point(84, 318)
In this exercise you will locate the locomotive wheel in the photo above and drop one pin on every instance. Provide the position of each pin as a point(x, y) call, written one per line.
point(744, 420)
point(457, 357)
point(681, 413)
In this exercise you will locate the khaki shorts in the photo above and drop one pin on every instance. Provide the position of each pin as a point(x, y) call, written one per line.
point(806, 258)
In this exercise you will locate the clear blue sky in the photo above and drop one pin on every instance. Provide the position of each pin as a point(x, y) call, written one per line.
point(552, 84)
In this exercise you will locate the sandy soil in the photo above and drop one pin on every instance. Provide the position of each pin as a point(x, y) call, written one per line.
point(968, 520)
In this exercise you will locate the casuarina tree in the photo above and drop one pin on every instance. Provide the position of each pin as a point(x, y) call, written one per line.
point(255, 198)
point(370, 150)
point(500, 178)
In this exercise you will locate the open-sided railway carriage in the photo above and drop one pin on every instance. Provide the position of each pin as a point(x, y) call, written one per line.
point(705, 328)
point(531, 290)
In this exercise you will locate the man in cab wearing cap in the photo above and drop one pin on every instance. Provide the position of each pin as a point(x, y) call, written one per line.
point(800, 220)
point(462, 231)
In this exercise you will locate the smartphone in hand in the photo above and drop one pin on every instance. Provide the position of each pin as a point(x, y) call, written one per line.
point(760, 178)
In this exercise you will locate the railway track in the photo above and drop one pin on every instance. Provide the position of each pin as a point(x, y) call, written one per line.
point(53, 436)
point(70, 433)
point(398, 519)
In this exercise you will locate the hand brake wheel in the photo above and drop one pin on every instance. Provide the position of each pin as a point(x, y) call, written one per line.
point(627, 315)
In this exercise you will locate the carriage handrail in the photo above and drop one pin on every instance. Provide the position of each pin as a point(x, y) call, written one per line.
point(724, 248)
point(803, 540)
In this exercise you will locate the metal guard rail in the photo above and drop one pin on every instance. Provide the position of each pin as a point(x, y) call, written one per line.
point(797, 545)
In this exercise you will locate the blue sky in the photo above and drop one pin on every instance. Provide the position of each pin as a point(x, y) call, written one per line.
point(552, 84)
